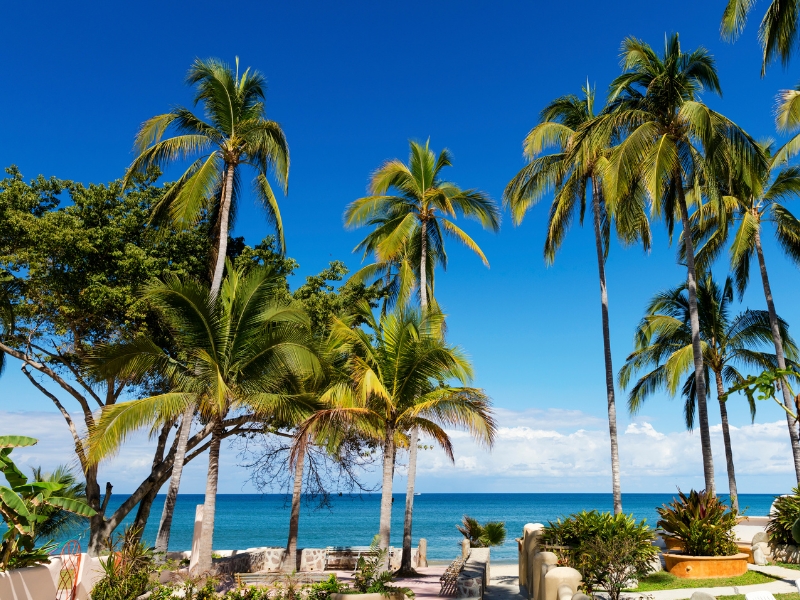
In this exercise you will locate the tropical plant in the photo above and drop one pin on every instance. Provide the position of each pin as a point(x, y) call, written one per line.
point(239, 352)
point(322, 590)
point(408, 243)
point(394, 385)
point(702, 521)
point(575, 164)
point(671, 143)
point(126, 568)
point(371, 576)
point(584, 541)
point(25, 506)
point(491, 533)
point(782, 516)
point(59, 522)
point(777, 31)
point(750, 201)
point(236, 132)
point(663, 349)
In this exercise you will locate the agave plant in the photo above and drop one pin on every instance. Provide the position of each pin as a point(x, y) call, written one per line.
point(489, 534)
point(702, 521)
point(26, 506)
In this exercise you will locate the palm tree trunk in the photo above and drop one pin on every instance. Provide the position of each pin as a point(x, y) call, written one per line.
point(612, 405)
point(290, 559)
point(385, 527)
point(423, 267)
point(224, 217)
point(405, 561)
point(726, 438)
point(699, 376)
point(210, 503)
point(776, 338)
point(162, 539)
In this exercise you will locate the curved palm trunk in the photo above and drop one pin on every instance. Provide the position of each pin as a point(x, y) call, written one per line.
point(699, 376)
point(290, 559)
point(423, 267)
point(612, 405)
point(210, 503)
point(726, 437)
point(405, 561)
point(385, 527)
point(776, 338)
point(224, 217)
point(162, 539)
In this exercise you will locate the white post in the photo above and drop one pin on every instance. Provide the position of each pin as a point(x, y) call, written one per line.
point(198, 531)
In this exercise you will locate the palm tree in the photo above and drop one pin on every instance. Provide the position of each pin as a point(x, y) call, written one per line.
point(663, 344)
point(756, 198)
point(396, 373)
point(575, 164)
point(58, 522)
point(238, 351)
point(671, 143)
point(235, 132)
point(410, 225)
point(777, 32)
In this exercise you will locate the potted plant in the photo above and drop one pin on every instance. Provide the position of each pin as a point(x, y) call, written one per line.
point(371, 581)
point(703, 524)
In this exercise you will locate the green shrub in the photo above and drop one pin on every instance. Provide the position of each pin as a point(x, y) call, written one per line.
point(126, 568)
point(322, 590)
point(607, 549)
point(783, 516)
point(489, 534)
point(702, 521)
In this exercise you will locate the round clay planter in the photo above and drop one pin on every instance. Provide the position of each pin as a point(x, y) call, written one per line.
point(672, 543)
point(705, 567)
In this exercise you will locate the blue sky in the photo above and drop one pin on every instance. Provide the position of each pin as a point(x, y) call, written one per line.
point(351, 82)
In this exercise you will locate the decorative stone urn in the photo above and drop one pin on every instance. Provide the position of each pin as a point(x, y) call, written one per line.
point(705, 567)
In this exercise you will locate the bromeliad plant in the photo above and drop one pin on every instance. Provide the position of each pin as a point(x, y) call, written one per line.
point(25, 506)
point(702, 521)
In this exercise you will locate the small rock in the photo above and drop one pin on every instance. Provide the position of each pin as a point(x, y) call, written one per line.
point(759, 537)
point(655, 564)
point(703, 596)
point(758, 556)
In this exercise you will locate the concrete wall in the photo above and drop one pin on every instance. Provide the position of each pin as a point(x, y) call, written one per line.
point(40, 582)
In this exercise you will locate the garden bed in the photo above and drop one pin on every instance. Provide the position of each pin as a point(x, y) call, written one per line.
point(666, 581)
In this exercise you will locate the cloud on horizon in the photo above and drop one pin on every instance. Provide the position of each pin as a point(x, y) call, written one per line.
point(536, 450)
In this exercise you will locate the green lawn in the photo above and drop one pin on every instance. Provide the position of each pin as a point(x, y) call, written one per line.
point(792, 596)
point(665, 581)
point(786, 565)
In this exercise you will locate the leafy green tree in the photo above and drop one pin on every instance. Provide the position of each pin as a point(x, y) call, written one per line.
point(236, 352)
point(729, 342)
point(26, 507)
point(74, 258)
point(671, 143)
point(410, 206)
point(575, 165)
point(395, 374)
point(777, 32)
point(751, 201)
point(235, 132)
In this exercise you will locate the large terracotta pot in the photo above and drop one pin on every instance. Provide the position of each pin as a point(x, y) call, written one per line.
point(671, 542)
point(705, 567)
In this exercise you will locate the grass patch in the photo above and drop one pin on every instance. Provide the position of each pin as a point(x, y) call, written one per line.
point(666, 581)
point(786, 565)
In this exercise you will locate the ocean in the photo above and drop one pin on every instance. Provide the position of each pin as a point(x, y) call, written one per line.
point(249, 520)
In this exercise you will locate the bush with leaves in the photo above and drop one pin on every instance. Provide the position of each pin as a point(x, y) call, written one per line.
point(489, 534)
point(605, 548)
point(702, 521)
point(784, 514)
point(126, 568)
point(322, 590)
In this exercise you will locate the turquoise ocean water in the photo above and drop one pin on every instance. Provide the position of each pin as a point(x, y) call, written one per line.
point(248, 520)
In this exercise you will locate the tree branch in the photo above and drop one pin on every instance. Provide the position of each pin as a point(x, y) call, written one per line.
point(75, 373)
point(106, 498)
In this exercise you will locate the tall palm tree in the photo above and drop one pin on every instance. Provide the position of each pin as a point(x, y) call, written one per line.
point(756, 198)
point(236, 351)
point(663, 344)
point(670, 143)
point(58, 522)
point(396, 373)
point(235, 132)
point(409, 205)
point(575, 164)
point(777, 32)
